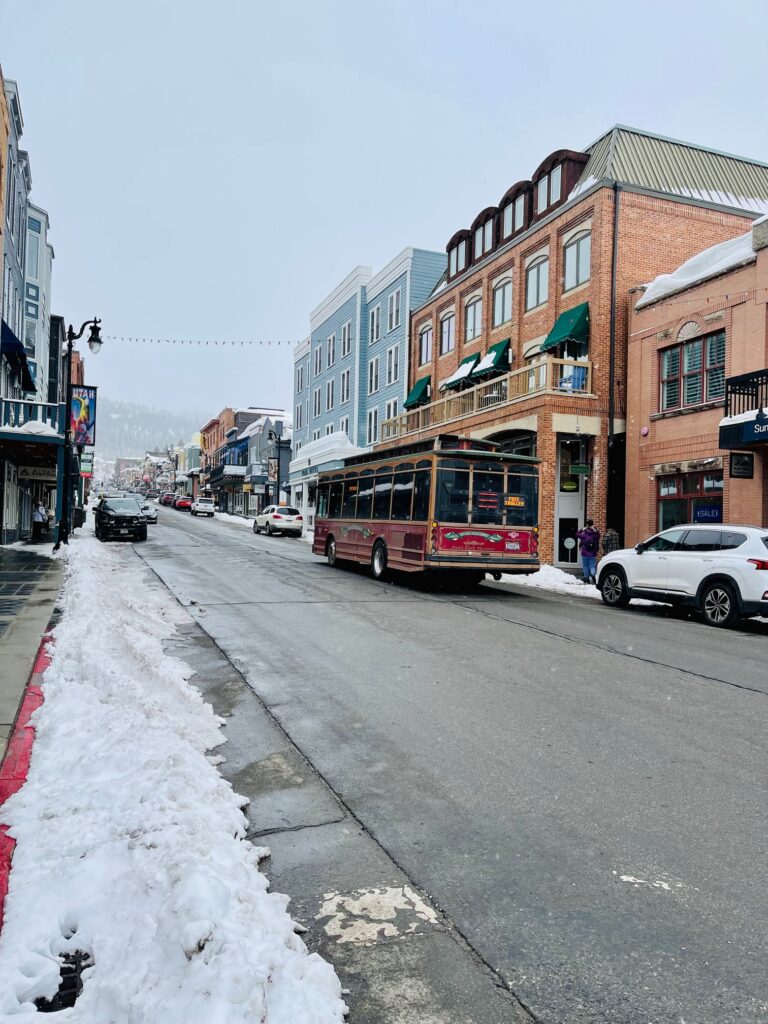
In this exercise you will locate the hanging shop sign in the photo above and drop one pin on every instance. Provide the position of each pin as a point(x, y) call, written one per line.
point(272, 465)
point(742, 465)
point(86, 464)
point(44, 474)
point(82, 416)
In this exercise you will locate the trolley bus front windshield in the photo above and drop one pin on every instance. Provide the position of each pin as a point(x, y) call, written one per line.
point(485, 493)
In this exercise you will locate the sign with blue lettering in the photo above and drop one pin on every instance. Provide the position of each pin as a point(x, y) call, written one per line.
point(736, 435)
point(708, 513)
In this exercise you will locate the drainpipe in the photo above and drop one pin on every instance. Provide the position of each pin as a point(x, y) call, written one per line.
point(614, 284)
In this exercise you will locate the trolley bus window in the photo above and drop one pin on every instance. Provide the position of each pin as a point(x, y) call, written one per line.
point(452, 503)
point(382, 496)
point(521, 499)
point(487, 491)
point(421, 497)
point(334, 508)
point(401, 496)
point(350, 498)
point(364, 498)
point(322, 502)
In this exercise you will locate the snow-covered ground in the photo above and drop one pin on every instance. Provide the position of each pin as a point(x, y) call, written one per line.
point(225, 517)
point(550, 578)
point(130, 845)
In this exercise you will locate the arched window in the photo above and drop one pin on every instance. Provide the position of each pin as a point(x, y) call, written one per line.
point(577, 260)
point(537, 283)
point(502, 302)
point(473, 320)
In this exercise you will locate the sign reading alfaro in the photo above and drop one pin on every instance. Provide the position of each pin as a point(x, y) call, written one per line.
point(82, 415)
point(43, 473)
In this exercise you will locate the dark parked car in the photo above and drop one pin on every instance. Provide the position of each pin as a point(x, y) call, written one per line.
point(183, 503)
point(120, 518)
point(151, 495)
point(167, 498)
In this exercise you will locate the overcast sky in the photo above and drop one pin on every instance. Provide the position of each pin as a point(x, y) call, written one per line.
point(213, 170)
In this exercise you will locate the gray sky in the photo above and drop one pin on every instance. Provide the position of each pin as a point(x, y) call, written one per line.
point(213, 170)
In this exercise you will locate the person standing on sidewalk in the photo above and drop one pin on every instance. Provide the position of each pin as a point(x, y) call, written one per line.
point(611, 541)
point(589, 545)
point(39, 517)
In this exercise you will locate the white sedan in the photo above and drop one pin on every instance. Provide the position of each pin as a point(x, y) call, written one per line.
point(279, 519)
point(721, 570)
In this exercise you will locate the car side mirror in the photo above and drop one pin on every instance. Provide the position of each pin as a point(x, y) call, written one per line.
point(640, 548)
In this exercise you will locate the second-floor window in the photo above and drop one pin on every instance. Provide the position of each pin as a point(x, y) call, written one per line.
point(447, 333)
point(693, 372)
point(316, 402)
point(345, 386)
point(502, 303)
point(374, 325)
point(299, 415)
point(473, 320)
point(332, 350)
point(577, 257)
point(393, 314)
point(318, 360)
point(391, 409)
point(344, 425)
point(537, 283)
point(329, 395)
point(373, 376)
point(346, 339)
point(299, 379)
point(373, 426)
point(393, 365)
point(425, 345)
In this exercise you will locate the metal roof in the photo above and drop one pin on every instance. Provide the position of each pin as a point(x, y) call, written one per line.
point(642, 160)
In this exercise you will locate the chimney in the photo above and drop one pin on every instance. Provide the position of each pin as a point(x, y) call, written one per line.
point(760, 233)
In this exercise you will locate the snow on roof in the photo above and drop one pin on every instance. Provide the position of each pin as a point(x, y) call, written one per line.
point(713, 261)
point(333, 447)
point(37, 428)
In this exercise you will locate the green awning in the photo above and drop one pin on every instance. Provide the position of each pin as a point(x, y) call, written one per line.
point(494, 360)
point(573, 325)
point(461, 374)
point(419, 393)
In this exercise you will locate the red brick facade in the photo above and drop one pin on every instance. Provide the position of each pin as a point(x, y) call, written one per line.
point(664, 444)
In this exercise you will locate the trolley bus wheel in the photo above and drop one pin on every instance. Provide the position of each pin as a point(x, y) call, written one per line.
point(330, 551)
point(379, 560)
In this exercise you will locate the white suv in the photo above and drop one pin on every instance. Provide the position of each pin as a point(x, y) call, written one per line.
point(721, 570)
point(203, 507)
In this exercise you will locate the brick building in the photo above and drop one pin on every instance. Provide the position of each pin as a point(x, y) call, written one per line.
point(698, 372)
point(524, 339)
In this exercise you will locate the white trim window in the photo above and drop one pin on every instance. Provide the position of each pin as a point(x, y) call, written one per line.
point(390, 409)
point(393, 364)
point(502, 303)
point(374, 325)
point(452, 262)
point(473, 320)
point(447, 333)
point(537, 283)
point(461, 256)
point(299, 379)
point(319, 360)
point(373, 376)
point(315, 435)
point(328, 429)
point(549, 188)
point(329, 395)
point(577, 258)
point(299, 416)
point(425, 345)
point(344, 386)
point(344, 425)
point(346, 338)
point(373, 426)
point(331, 350)
point(393, 310)
point(316, 402)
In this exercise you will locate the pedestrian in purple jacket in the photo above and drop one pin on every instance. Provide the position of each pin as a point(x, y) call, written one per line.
point(589, 546)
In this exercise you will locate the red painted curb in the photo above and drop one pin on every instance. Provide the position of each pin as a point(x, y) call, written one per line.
point(15, 763)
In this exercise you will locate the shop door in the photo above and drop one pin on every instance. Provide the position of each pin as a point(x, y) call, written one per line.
point(569, 510)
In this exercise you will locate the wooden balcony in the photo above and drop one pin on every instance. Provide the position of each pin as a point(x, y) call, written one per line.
point(550, 376)
point(33, 419)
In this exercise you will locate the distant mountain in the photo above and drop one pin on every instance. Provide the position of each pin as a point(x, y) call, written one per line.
point(130, 430)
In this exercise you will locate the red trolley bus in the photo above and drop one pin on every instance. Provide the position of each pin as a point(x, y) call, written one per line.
point(450, 504)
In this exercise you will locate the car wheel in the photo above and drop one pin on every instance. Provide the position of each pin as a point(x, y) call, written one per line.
point(330, 552)
point(255, 526)
point(613, 588)
point(269, 530)
point(719, 605)
point(379, 560)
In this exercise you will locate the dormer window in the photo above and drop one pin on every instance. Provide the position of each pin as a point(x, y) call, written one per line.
point(483, 238)
point(461, 251)
point(457, 253)
point(549, 188)
point(513, 217)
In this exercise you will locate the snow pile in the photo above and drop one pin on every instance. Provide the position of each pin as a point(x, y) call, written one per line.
point(39, 428)
point(130, 844)
point(708, 263)
point(226, 517)
point(549, 577)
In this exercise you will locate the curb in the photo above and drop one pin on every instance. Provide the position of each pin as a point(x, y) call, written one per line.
point(15, 764)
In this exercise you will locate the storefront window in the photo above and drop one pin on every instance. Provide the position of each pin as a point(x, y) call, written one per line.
point(570, 455)
point(690, 498)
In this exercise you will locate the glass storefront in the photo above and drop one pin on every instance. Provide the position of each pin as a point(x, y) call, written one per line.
point(690, 498)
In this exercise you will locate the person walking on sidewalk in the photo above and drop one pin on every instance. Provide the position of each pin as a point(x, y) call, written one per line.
point(589, 545)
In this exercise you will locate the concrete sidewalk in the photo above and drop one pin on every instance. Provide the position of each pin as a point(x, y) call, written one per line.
point(29, 587)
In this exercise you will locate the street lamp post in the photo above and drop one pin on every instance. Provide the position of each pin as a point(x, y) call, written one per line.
point(94, 343)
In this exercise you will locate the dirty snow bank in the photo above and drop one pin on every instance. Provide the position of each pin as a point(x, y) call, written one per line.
point(226, 517)
point(130, 845)
point(550, 578)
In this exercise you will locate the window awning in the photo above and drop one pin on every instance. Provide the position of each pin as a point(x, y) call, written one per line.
point(573, 325)
point(419, 393)
point(494, 360)
point(13, 350)
point(465, 368)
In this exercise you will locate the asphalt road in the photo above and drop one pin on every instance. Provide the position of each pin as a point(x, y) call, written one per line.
point(581, 791)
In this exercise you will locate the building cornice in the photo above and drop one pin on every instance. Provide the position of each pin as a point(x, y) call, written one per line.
point(351, 284)
point(390, 273)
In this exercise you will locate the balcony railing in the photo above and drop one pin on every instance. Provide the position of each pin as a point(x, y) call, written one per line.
point(559, 376)
point(16, 413)
point(746, 393)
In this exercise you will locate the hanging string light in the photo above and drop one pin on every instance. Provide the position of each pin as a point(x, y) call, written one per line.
point(200, 341)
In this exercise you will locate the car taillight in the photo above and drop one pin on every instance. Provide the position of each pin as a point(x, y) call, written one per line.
point(276, 516)
point(298, 517)
point(759, 563)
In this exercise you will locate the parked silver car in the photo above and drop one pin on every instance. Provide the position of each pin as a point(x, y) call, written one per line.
point(279, 519)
